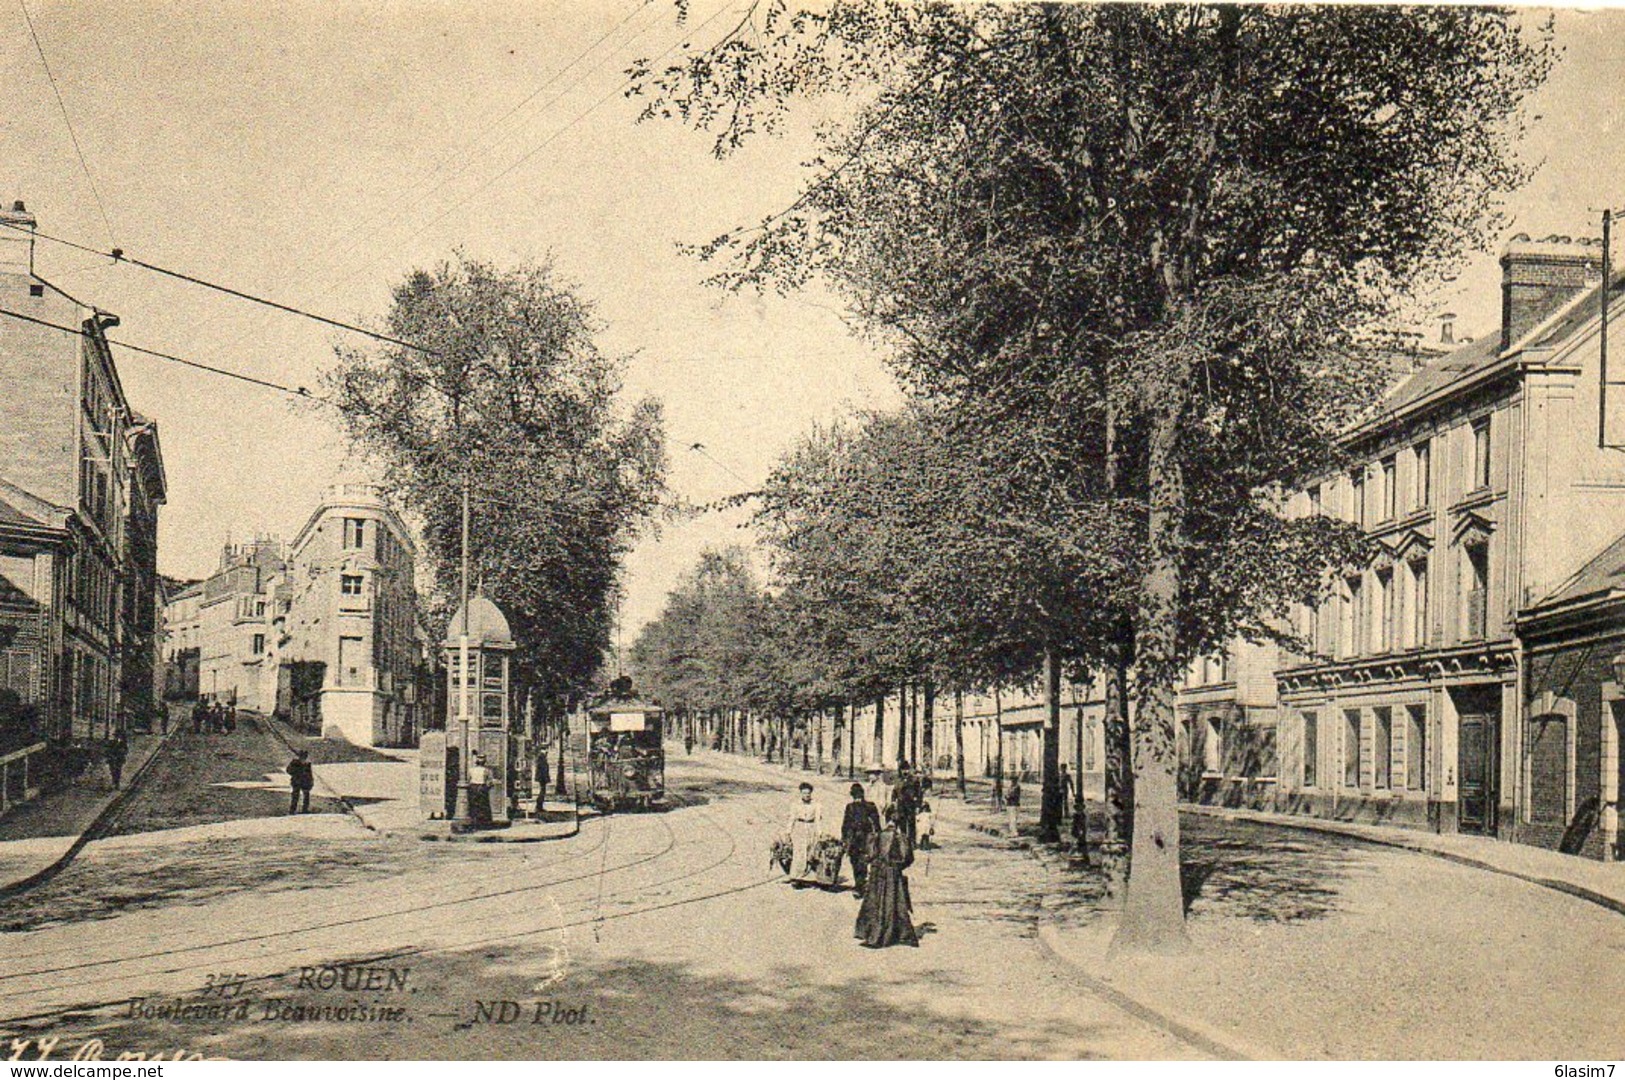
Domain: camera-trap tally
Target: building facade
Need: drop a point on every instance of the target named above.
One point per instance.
(236, 661)
(351, 642)
(72, 447)
(1483, 486)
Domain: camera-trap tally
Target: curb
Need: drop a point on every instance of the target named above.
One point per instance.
(97, 828)
(1221, 1046)
(1568, 888)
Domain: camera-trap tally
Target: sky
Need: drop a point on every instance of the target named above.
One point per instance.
(316, 153)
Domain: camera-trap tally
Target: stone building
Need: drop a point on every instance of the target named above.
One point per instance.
(235, 662)
(352, 650)
(1482, 481)
(1574, 699)
(71, 449)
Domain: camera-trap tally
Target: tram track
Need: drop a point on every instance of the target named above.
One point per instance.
(594, 918)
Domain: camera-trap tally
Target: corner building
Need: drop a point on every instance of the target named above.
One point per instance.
(351, 649)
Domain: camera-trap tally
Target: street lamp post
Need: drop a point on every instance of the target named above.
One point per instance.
(460, 812)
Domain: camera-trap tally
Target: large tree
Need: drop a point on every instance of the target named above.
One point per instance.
(1160, 227)
(504, 391)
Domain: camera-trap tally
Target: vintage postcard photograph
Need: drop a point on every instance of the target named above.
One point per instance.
(811, 530)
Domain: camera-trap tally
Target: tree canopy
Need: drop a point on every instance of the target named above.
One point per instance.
(507, 392)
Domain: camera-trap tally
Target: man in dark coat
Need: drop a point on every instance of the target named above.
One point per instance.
(858, 829)
(117, 750)
(301, 778)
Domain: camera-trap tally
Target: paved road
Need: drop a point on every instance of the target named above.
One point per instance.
(659, 935)
(666, 935)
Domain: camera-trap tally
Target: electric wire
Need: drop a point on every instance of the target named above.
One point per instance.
(66, 120)
(294, 391)
(118, 255)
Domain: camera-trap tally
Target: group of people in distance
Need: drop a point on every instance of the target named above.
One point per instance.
(879, 844)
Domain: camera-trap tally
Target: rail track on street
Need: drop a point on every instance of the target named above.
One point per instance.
(215, 962)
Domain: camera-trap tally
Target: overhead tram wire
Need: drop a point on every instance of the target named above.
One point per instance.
(118, 256)
(294, 391)
(545, 143)
(68, 122)
(388, 219)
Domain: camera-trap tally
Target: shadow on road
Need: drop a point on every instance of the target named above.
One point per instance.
(1257, 872)
(626, 1008)
(103, 885)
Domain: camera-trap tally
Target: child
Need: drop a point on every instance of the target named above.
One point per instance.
(925, 825)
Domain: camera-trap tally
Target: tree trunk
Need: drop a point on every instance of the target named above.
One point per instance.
(998, 756)
(902, 726)
(819, 735)
(1118, 769)
(880, 732)
(1153, 905)
(1049, 809)
(959, 739)
(928, 727)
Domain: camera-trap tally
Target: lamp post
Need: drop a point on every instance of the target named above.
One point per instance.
(460, 811)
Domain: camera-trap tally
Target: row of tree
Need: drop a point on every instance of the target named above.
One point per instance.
(1125, 258)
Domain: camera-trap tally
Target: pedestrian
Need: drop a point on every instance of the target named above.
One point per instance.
(804, 829)
(688, 742)
(1066, 794)
(542, 777)
(479, 790)
(858, 829)
(926, 824)
(875, 790)
(906, 797)
(884, 918)
(1012, 803)
(301, 778)
(198, 711)
(231, 718)
(116, 751)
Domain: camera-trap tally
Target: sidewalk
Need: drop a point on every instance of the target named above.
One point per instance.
(1598, 882)
(38, 835)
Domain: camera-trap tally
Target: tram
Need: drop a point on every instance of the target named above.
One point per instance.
(626, 756)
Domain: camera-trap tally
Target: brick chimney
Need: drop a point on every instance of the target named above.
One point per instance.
(16, 245)
(1539, 276)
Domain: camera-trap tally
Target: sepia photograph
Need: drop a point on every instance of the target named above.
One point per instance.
(811, 530)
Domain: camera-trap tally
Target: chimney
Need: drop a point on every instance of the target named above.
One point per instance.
(1447, 328)
(1539, 276)
(17, 240)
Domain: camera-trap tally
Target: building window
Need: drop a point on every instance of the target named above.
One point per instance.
(258, 646)
(355, 533)
(1477, 575)
(1481, 454)
(1351, 748)
(1357, 497)
(350, 660)
(259, 609)
(1381, 614)
(1311, 748)
(1382, 747)
(1314, 501)
(1390, 492)
(1418, 622)
(350, 584)
(1416, 748)
(1422, 477)
(1353, 609)
(1212, 746)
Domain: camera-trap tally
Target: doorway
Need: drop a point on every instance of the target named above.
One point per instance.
(1477, 784)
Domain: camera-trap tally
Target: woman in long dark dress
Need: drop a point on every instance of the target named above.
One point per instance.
(884, 917)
